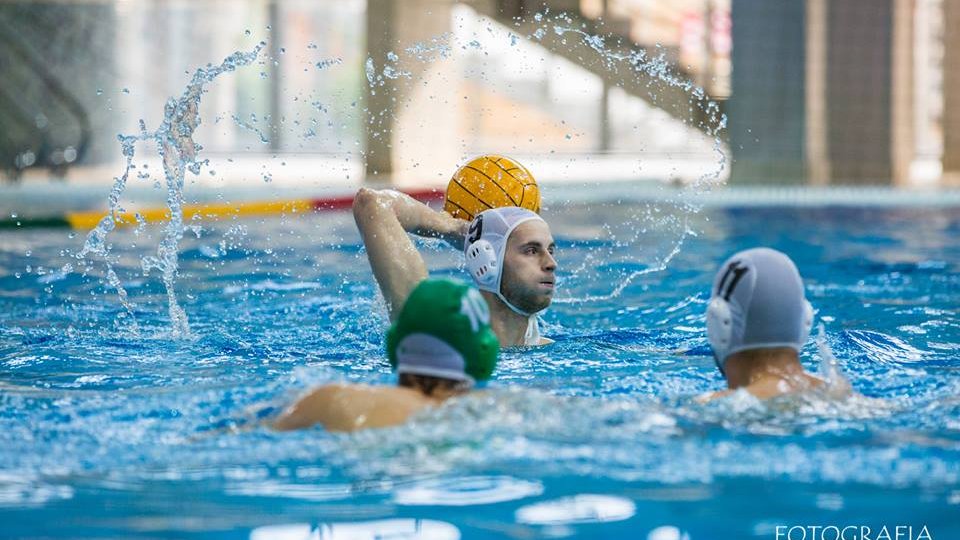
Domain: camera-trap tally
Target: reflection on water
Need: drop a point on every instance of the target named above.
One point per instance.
(580, 509)
(466, 491)
(667, 532)
(400, 529)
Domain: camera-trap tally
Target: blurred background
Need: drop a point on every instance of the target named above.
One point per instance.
(816, 92)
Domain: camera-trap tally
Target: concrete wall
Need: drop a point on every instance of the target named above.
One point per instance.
(411, 120)
(822, 92)
(858, 94)
(767, 104)
(54, 57)
(951, 93)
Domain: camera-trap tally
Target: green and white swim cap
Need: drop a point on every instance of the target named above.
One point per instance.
(444, 331)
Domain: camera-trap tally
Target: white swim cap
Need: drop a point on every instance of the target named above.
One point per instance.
(757, 301)
(486, 244)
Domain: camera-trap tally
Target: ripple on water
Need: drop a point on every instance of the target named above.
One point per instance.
(304, 491)
(399, 529)
(466, 491)
(578, 509)
(26, 491)
(610, 401)
(884, 348)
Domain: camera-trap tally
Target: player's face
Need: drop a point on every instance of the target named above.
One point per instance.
(529, 269)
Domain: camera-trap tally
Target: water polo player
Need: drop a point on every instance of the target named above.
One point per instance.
(440, 345)
(508, 250)
(757, 321)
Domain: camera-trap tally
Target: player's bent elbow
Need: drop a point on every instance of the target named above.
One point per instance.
(364, 199)
(369, 202)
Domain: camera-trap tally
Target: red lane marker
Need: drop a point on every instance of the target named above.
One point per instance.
(342, 203)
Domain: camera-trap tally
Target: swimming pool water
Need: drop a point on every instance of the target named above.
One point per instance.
(107, 433)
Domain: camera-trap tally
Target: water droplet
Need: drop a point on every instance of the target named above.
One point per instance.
(99, 91)
(246, 32)
(125, 90)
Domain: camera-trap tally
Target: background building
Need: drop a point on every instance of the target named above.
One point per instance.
(815, 91)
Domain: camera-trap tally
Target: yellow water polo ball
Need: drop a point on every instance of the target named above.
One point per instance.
(490, 182)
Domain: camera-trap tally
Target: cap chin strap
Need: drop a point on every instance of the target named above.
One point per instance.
(532, 335)
(515, 309)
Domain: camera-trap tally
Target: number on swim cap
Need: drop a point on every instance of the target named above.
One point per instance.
(476, 230)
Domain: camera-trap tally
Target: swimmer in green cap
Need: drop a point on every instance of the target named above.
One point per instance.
(509, 253)
(440, 345)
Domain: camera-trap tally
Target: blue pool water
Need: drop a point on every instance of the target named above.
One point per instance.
(108, 433)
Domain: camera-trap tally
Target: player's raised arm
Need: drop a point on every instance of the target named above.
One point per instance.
(384, 218)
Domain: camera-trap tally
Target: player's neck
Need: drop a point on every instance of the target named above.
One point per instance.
(509, 326)
(756, 366)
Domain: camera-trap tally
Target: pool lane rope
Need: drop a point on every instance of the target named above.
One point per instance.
(212, 212)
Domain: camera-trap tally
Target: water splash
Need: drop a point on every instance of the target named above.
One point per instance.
(625, 282)
(435, 49)
(658, 70)
(251, 128)
(178, 151)
(655, 75)
(323, 64)
(837, 384)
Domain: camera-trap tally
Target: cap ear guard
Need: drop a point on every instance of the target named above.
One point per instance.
(481, 259)
(719, 329)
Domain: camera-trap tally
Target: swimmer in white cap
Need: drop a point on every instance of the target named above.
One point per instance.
(757, 321)
(509, 253)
